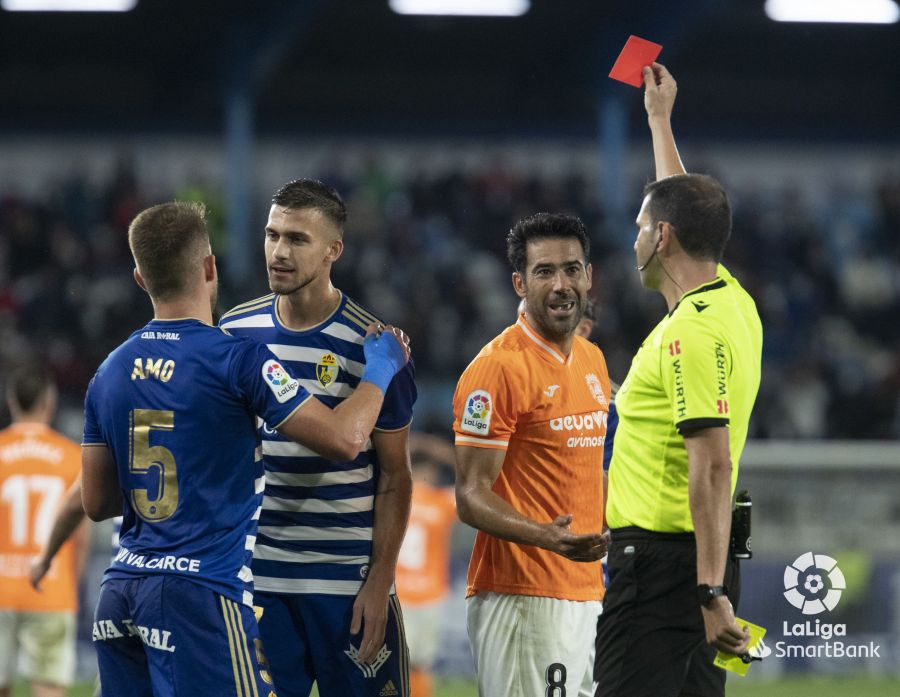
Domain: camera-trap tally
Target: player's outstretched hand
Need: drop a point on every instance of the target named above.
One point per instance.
(39, 569)
(722, 631)
(587, 547)
(660, 90)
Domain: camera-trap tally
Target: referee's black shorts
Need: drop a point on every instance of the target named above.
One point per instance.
(650, 638)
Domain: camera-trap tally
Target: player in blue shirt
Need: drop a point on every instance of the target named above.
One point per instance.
(170, 441)
(331, 527)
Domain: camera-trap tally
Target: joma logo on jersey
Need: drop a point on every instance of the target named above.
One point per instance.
(476, 417)
(580, 422)
(153, 368)
(327, 369)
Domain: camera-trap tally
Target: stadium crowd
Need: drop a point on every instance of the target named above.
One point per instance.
(427, 252)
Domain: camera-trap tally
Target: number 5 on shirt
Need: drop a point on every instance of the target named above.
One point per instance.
(144, 457)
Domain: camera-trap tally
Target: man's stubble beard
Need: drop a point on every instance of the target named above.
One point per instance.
(555, 331)
(293, 289)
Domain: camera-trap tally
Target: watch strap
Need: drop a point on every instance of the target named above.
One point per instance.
(706, 593)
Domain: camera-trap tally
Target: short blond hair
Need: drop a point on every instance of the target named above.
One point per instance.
(167, 242)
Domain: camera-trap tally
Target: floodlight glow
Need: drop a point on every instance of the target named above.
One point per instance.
(473, 8)
(68, 5)
(842, 11)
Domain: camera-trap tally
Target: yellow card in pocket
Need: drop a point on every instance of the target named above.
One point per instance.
(758, 648)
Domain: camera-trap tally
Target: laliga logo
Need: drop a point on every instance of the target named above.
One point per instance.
(477, 416)
(479, 406)
(805, 581)
(276, 374)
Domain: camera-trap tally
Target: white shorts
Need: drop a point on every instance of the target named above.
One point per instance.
(423, 624)
(47, 643)
(526, 645)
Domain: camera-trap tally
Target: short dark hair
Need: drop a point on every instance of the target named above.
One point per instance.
(168, 241)
(697, 206)
(311, 193)
(540, 226)
(27, 385)
(590, 311)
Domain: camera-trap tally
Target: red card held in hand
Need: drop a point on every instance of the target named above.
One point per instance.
(637, 53)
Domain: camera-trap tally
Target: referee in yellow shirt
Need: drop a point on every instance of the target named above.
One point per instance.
(683, 412)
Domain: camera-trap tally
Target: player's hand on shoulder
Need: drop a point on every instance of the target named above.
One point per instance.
(722, 631)
(660, 90)
(586, 547)
(387, 340)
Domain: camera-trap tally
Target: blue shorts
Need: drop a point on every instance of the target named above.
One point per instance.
(308, 639)
(161, 636)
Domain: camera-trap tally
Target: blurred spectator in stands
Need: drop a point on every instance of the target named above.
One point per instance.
(825, 275)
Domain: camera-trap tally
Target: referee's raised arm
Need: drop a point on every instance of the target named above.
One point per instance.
(660, 89)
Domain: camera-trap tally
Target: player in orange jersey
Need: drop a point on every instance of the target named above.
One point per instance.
(530, 421)
(423, 579)
(37, 466)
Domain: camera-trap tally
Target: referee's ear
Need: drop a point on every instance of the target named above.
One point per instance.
(666, 237)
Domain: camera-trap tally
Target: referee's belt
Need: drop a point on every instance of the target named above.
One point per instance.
(632, 533)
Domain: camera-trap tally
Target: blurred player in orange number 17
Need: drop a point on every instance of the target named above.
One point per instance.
(530, 415)
(170, 442)
(37, 465)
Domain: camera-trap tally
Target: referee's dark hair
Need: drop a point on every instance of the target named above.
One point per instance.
(540, 226)
(697, 206)
(311, 193)
(27, 385)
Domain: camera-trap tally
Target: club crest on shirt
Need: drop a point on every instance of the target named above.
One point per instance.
(476, 416)
(327, 369)
(281, 383)
(595, 387)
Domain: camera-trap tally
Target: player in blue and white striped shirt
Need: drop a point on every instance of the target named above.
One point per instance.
(330, 531)
(170, 443)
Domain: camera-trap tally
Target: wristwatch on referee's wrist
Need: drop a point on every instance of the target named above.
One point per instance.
(706, 593)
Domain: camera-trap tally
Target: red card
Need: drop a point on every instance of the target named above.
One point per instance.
(637, 54)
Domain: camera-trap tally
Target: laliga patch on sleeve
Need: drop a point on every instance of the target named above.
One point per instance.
(476, 416)
(637, 54)
(283, 386)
